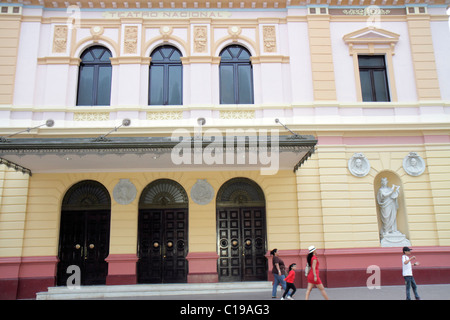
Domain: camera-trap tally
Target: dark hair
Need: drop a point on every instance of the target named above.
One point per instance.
(290, 267)
(309, 258)
(273, 252)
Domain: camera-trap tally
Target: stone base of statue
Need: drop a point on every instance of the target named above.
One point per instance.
(394, 239)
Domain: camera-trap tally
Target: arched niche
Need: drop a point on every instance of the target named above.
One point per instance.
(402, 217)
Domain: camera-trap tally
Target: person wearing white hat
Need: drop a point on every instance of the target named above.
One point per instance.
(313, 275)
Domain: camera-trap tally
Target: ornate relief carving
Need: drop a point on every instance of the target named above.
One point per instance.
(241, 114)
(91, 116)
(359, 165)
(164, 115)
(413, 164)
(165, 31)
(234, 32)
(200, 39)
(202, 192)
(269, 38)
(97, 31)
(124, 192)
(60, 39)
(130, 39)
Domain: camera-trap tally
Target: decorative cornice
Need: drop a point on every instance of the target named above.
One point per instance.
(214, 4)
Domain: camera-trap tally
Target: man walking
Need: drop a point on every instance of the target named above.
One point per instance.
(408, 274)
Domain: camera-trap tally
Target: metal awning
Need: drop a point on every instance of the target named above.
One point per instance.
(42, 155)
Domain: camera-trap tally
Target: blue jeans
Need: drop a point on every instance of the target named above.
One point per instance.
(277, 279)
(409, 281)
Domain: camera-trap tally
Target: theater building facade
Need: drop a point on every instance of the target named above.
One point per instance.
(181, 141)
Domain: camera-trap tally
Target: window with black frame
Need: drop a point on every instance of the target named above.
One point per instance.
(236, 76)
(373, 76)
(94, 78)
(166, 77)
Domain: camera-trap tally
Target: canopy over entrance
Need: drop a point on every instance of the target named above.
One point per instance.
(184, 152)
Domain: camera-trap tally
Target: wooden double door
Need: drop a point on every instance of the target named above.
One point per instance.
(162, 245)
(84, 242)
(241, 244)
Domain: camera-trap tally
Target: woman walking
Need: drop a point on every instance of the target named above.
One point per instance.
(313, 275)
(279, 272)
(290, 282)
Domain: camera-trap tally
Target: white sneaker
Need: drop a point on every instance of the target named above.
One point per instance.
(290, 298)
(282, 298)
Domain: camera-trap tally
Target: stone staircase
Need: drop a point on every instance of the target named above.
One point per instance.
(143, 290)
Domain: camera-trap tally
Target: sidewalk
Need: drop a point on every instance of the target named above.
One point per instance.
(426, 292)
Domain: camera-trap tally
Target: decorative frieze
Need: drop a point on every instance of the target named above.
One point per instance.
(239, 114)
(91, 116)
(164, 115)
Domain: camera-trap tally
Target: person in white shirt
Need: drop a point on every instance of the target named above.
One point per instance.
(408, 274)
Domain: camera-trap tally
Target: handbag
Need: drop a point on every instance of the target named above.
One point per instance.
(307, 269)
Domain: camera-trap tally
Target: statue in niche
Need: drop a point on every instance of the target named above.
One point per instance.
(387, 198)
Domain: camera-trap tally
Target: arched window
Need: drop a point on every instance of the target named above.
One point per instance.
(94, 79)
(166, 77)
(236, 76)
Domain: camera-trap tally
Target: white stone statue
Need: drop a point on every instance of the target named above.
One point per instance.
(387, 198)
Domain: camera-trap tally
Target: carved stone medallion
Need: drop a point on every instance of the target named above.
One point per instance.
(124, 192)
(359, 165)
(413, 164)
(202, 192)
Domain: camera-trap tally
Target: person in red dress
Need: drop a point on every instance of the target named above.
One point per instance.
(313, 275)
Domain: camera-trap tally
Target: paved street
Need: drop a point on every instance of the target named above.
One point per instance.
(427, 292)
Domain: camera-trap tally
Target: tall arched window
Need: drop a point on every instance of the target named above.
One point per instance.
(236, 76)
(166, 77)
(94, 79)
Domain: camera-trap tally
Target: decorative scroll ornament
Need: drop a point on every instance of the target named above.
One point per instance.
(202, 192)
(413, 164)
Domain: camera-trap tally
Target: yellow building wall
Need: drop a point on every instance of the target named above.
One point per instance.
(47, 191)
(439, 172)
(9, 44)
(339, 210)
(422, 52)
(13, 208)
(321, 57)
(320, 204)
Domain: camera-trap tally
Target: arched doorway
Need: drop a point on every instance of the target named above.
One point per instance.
(241, 231)
(84, 233)
(163, 233)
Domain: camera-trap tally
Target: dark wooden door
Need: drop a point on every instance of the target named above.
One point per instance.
(163, 245)
(84, 242)
(241, 244)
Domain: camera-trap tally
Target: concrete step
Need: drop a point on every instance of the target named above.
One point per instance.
(141, 290)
